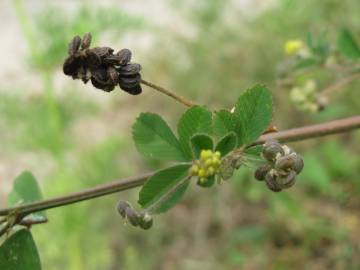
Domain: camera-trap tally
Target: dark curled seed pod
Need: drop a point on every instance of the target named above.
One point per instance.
(71, 65)
(298, 164)
(287, 180)
(129, 69)
(121, 208)
(113, 75)
(146, 221)
(135, 90)
(86, 41)
(271, 183)
(132, 216)
(112, 60)
(261, 172)
(131, 81)
(285, 163)
(93, 60)
(103, 52)
(124, 56)
(271, 149)
(74, 45)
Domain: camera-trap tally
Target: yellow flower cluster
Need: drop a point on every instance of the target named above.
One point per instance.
(208, 165)
(293, 46)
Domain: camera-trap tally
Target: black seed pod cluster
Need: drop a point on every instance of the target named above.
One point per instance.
(144, 220)
(283, 164)
(101, 66)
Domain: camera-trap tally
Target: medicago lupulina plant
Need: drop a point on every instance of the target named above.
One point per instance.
(208, 148)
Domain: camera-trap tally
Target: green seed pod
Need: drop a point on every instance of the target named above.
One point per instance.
(287, 180)
(146, 221)
(271, 183)
(298, 164)
(271, 149)
(285, 163)
(132, 216)
(261, 172)
(121, 208)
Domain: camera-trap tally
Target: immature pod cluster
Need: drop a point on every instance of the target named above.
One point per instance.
(143, 220)
(101, 66)
(283, 164)
(206, 166)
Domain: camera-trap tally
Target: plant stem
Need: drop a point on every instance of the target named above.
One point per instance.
(339, 84)
(295, 134)
(169, 93)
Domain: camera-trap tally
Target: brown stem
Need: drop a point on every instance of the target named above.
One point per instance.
(339, 84)
(295, 134)
(180, 99)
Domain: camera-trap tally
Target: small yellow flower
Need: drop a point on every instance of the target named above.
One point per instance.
(202, 173)
(293, 46)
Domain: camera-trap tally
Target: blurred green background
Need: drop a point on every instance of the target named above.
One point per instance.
(73, 136)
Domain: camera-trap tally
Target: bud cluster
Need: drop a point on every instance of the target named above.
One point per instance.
(206, 166)
(144, 220)
(105, 69)
(306, 97)
(283, 164)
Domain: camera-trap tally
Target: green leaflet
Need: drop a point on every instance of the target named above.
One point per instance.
(153, 138)
(26, 190)
(347, 45)
(195, 120)
(19, 252)
(201, 142)
(254, 112)
(165, 188)
(227, 144)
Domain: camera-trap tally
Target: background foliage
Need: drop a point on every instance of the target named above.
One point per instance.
(72, 136)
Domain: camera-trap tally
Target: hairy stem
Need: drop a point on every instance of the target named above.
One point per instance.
(295, 134)
(180, 99)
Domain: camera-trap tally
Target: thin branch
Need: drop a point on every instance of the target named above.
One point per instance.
(313, 131)
(295, 134)
(339, 84)
(180, 99)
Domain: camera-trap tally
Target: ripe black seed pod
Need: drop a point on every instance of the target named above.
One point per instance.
(121, 208)
(130, 81)
(298, 164)
(74, 45)
(285, 163)
(146, 221)
(124, 56)
(113, 75)
(129, 70)
(287, 180)
(261, 172)
(103, 52)
(271, 149)
(134, 90)
(71, 65)
(86, 41)
(270, 180)
(93, 60)
(132, 216)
